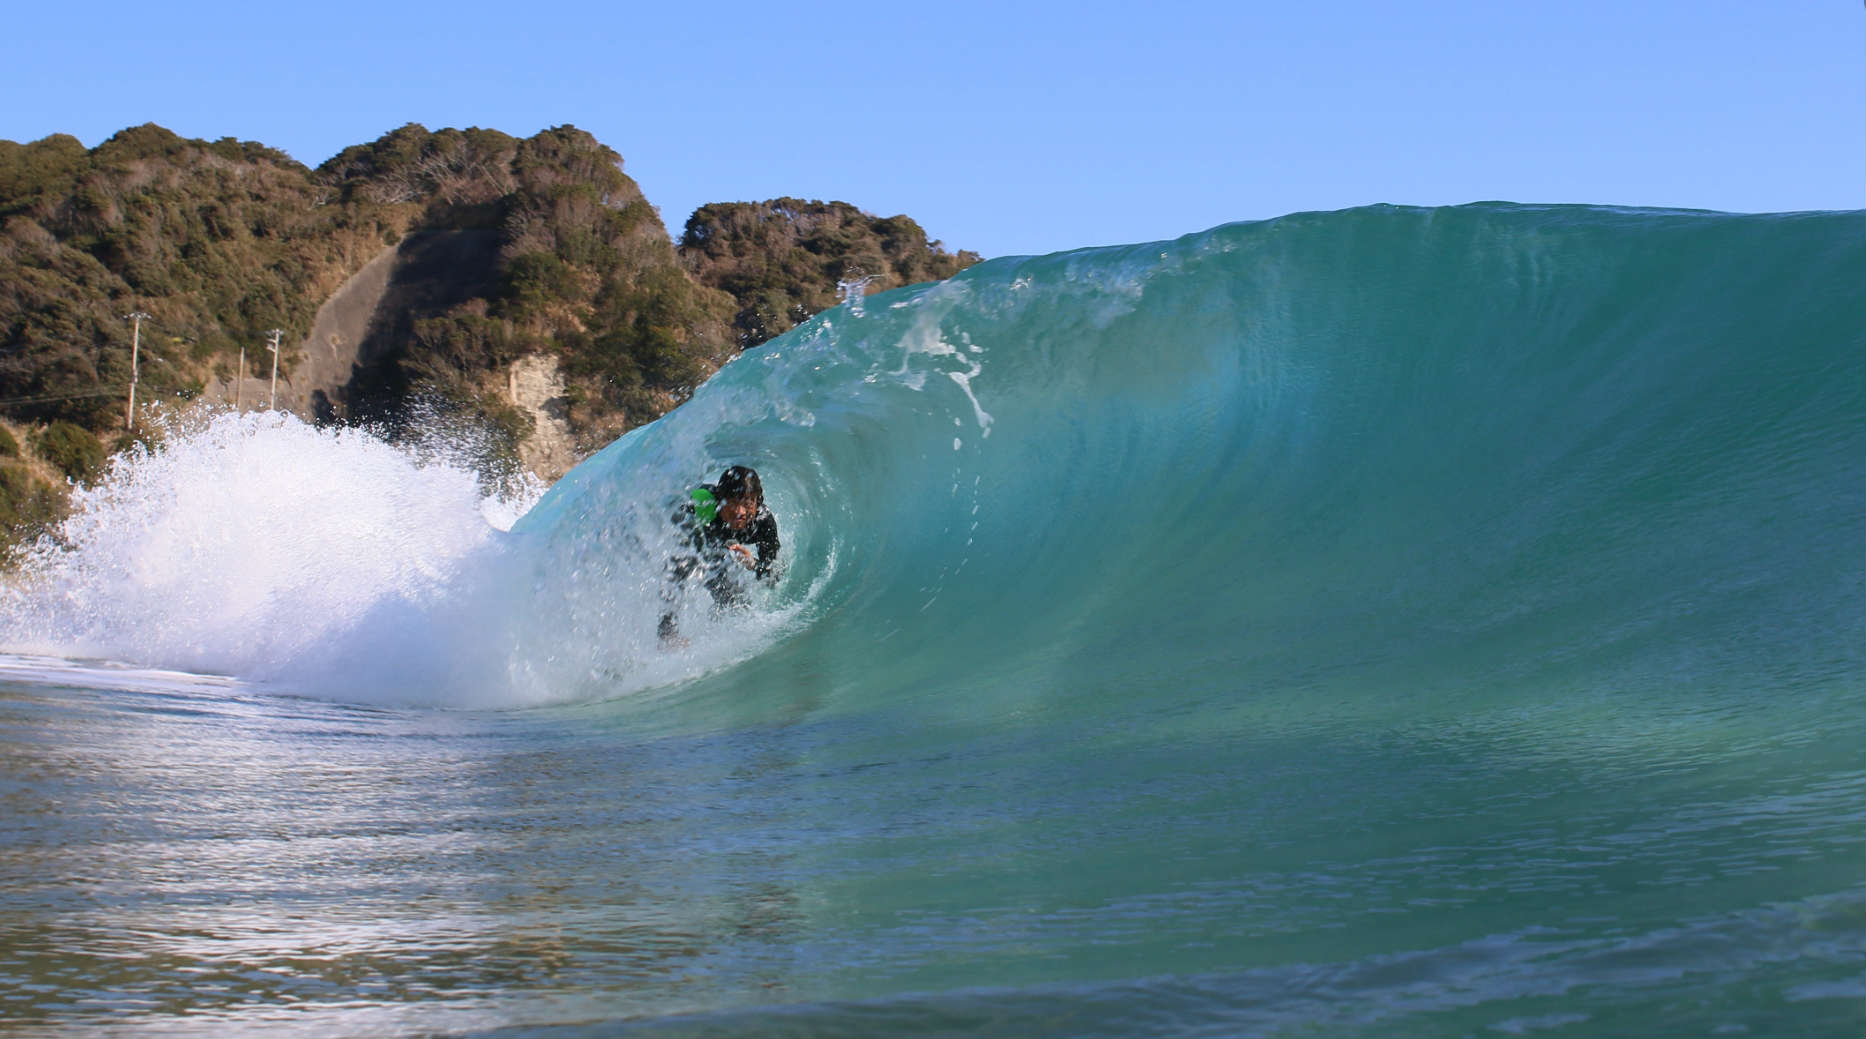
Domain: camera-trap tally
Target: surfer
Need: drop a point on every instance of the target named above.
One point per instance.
(727, 527)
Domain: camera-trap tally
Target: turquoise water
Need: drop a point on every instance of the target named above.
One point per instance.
(1389, 621)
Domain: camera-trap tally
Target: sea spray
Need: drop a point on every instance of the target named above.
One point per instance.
(259, 546)
(852, 290)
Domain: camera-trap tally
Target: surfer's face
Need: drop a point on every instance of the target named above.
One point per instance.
(737, 512)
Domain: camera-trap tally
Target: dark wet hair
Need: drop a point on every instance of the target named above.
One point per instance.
(741, 482)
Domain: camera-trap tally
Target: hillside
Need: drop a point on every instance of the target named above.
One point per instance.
(525, 282)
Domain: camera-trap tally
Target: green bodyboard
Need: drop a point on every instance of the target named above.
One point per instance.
(705, 506)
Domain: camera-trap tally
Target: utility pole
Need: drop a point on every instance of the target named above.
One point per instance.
(136, 318)
(239, 387)
(272, 344)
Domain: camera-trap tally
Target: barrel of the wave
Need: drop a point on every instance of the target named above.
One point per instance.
(1205, 465)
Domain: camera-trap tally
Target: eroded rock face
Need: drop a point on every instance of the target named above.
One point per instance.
(328, 355)
(536, 387)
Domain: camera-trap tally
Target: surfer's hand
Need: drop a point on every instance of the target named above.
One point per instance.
(744, 554)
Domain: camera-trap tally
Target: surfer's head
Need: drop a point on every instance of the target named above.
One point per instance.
(741, 495)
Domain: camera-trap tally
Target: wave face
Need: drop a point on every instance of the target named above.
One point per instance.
(1390, 462)
(1385, 621)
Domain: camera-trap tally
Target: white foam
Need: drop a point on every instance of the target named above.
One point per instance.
(258, 546)
(330, 563)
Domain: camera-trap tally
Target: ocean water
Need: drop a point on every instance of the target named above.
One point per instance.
(1392, 621)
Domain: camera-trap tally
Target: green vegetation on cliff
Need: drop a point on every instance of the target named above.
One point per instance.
(549, 248)
(221, 242)
(782, 260)
(217, 242)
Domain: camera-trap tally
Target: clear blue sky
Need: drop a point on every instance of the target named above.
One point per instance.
(1018, 128)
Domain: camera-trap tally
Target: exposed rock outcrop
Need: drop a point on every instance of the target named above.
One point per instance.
(535, 385)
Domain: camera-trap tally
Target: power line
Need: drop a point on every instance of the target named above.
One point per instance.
(49, 397)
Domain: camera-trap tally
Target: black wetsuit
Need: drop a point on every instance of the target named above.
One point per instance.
(708, 542)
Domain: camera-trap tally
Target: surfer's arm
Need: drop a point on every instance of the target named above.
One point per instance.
(766, 538)
(759, 564)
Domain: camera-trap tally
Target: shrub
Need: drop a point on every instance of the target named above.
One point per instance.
(72, 450)
(27, 507)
